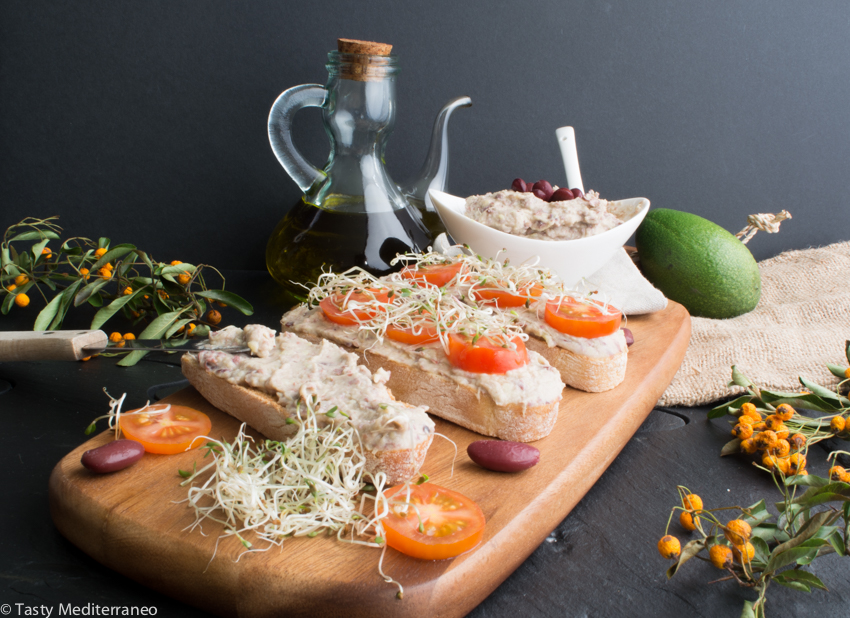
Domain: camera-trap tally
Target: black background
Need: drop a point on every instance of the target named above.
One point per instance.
(146, 121)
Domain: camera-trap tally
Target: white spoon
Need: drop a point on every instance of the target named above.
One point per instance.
(569, 153)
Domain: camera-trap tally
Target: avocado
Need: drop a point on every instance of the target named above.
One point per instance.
(697, 263)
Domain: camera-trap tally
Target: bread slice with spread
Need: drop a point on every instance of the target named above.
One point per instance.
(577, 333)
(267, 390)
(469, 366)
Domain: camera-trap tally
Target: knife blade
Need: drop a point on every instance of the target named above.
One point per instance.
(77, 344)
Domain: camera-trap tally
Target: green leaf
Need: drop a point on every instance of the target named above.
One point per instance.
(748, 612)
(800, 575)
(790, 583)
(797, 400)
(779, 559)
(35, 235)
(7, 303)
(102, 242)
(103, 315)
(48, 313)
(730, 406)
(761, 547)
(96, 300)
(118, 251)
(38, 247)
(731, 447)
(176, 326)
(228, 298)
(65, 302)
(739, 378)
(836, 370)
(810, 480)
(823, 393)
(88, 290)
(132, 358)
(178, 269)
(690, 550)
(847, 350)
(837, 541)
(5, 258)
(770, 533)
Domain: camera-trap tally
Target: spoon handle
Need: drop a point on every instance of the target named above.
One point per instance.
(567, 141)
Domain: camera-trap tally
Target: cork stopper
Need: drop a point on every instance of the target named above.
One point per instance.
(361, 69)
(368, 48)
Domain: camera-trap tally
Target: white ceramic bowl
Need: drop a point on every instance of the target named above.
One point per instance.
(571, 260)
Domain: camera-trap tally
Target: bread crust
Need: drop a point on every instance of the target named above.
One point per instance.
(586, 373)
(262, 412)
(459, 403)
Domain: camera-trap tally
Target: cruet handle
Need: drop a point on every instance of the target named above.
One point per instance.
(280, 132)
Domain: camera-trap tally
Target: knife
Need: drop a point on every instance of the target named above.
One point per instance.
(77, 344)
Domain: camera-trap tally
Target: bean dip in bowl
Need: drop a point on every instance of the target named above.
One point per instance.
(571, 259)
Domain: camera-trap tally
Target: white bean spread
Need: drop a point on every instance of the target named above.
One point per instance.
(536, 383)
(295, 369)
(597, 347)
(524, 214)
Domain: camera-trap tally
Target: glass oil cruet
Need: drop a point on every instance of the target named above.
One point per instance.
(352, 213)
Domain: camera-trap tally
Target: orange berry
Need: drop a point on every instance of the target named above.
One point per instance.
(783, 465)
(768, 460)
(783, 448)
(100, 252)
(749, 409)
(746, 419)
(749, 446)
(759, 426)
(692, 502)
(687, 521)
(765, 439)
(785, 412)
(221, 304)
(213, 317)
(115, 337)
(47, 252)
(738, 531)
(85, 358)
(796, 462)
(798, 441)
(84, 272)
(11, 287)
(21, 280)
(128, 290)
(742, 431)
(190, 328)
(836, 472)
(837, 424)
(773, 422)
(720, 556)
(847, 373)
(129, 336)
(744, 553)
(105, 273)
(782, 435)
(183, 279)
(22, 300)
(844, 477)
(669, 547)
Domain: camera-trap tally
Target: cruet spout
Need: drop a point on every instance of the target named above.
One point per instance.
(434, 172)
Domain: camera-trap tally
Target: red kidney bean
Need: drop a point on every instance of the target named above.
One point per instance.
(520, 185)
(542, 189)
(577, 193)
(630, 338)
(114, 456)
(562, 195)
(502, 455)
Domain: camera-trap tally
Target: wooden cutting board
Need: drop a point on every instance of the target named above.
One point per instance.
(133, 522)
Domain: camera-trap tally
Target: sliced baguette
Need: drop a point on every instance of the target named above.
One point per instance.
(262, 412)
(585, 373)
(461, 404)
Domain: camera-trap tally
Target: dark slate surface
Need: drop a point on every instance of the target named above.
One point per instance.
(600, 561)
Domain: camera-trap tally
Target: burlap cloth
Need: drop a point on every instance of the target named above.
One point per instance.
(800, 323)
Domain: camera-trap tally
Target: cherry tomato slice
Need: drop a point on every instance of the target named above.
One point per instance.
(503, 298)
(582, 319)
(413, 335)
(333, 309)
(435, 274)
(166, 433)
(451, 523)
(485, 355)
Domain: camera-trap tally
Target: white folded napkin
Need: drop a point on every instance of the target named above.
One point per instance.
(619, 282)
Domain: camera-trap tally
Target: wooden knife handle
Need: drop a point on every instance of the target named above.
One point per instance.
(48, 344)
